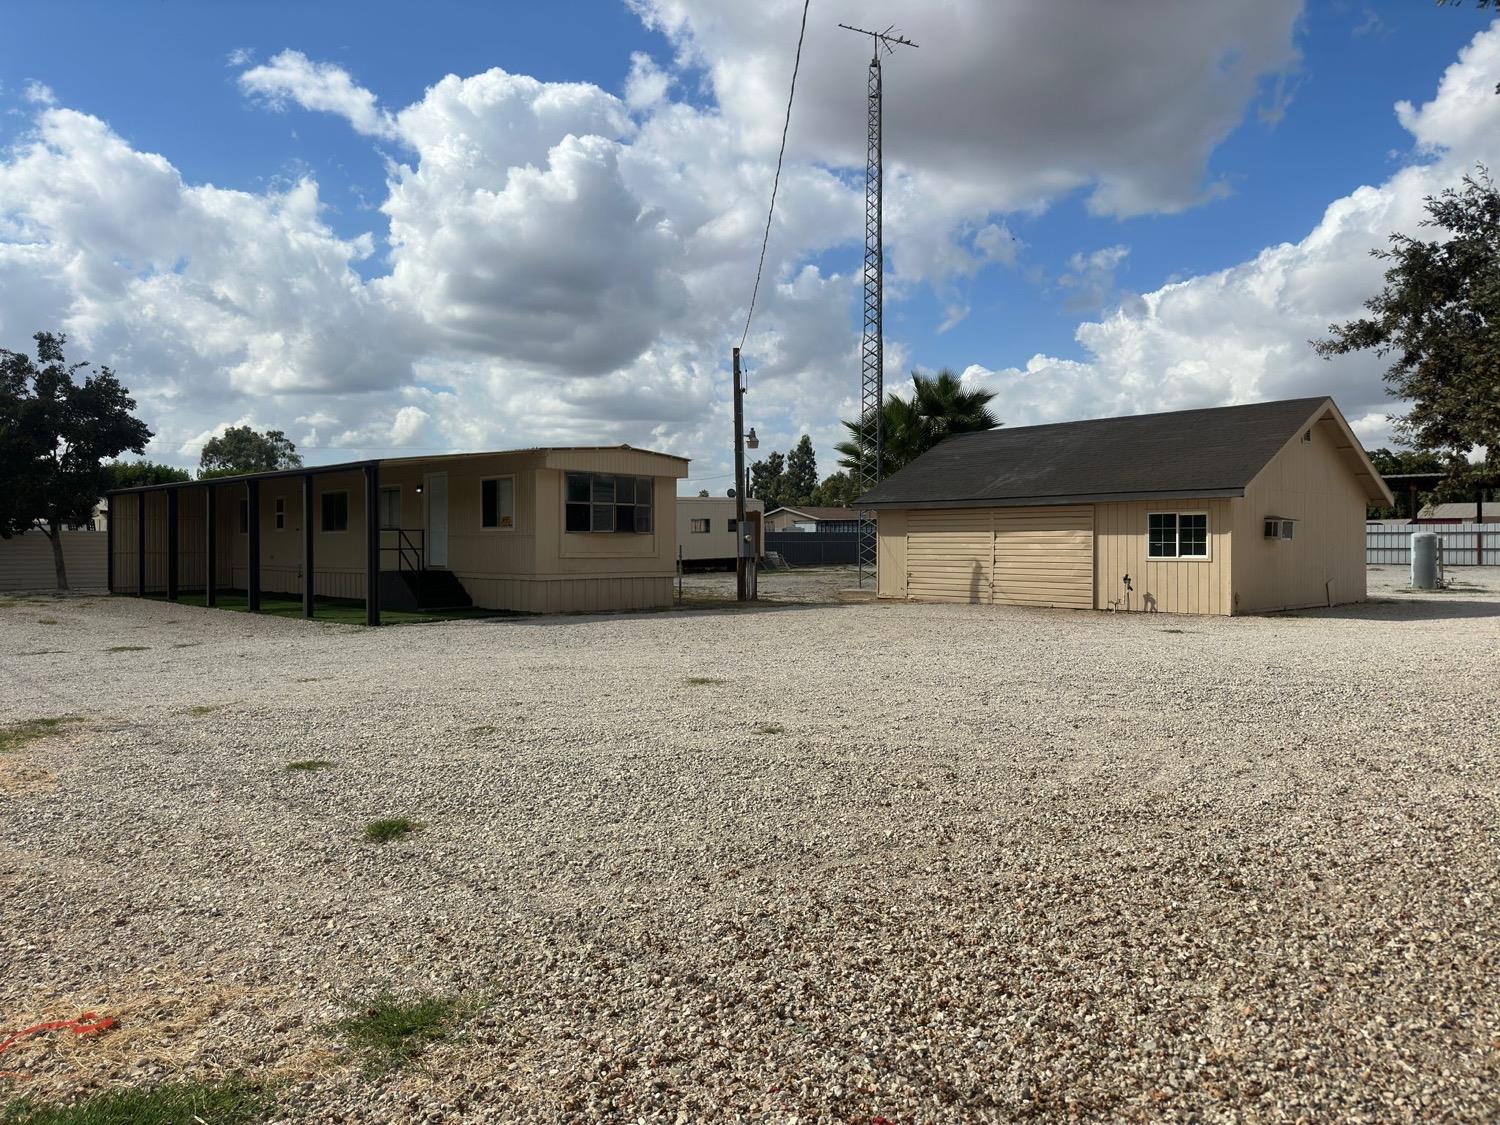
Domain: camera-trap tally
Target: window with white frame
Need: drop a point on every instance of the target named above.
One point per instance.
(1177, 535)
(600, 502)
(497, 502)
(698, 527)
(1278, 528)
(281, 513)
(390, 507)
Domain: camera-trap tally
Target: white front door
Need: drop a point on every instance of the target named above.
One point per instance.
(435, 487)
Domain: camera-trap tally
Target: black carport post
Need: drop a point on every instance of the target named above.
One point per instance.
(309, 584)
(140, 544)
(109, 542)
(211, 533)
(252, 525)
(372, 545)
(172, 543)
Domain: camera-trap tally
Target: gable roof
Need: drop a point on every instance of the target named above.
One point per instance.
(819, 513)
(1184, 453)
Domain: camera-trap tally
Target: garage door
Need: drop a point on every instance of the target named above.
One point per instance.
(949, 552)
(1044, 556)
(1008, 556)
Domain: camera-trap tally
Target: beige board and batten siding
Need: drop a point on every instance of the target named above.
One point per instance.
(1310, 482)
(1032, 556)
(26, 561)
(1175, 585)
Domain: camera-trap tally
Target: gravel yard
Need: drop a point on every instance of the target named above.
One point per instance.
(847, 862)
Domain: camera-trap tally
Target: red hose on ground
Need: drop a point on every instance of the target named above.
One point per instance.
(86, 1024)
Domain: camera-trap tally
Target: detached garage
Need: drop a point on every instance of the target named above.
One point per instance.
(1238, 509)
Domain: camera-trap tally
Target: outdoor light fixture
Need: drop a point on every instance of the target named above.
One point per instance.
(419, 490)
(751, 441)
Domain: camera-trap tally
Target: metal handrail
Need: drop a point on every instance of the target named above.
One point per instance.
(404, 544)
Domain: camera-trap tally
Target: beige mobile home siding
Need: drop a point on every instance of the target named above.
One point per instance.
(1039, 556)
(1167, 585)
(26, 561)
(1312, 483)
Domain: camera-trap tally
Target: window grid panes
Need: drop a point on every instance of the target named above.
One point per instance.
(600, 502)
(390, 508)
(1192, 536)
(1161, 535)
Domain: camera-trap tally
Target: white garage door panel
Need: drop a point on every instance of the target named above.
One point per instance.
(1009, 556)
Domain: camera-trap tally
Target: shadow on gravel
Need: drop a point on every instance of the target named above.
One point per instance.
(1439, 607)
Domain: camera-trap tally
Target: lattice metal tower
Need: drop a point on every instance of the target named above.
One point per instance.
(872, 344)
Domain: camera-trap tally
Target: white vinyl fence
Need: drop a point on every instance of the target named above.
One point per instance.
(1464, 544)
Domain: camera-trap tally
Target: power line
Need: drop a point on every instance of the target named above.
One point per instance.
(776, 183)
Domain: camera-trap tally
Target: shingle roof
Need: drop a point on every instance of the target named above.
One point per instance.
(1213, 452)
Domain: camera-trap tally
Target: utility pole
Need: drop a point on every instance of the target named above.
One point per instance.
(741, 583)
(872, 343)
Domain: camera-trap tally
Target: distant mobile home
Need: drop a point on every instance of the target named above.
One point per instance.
(707, 529)
(537, 530)
(1238, 509)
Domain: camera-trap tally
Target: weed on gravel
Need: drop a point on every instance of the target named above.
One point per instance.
(389, 1033)
(701, 681)
(17, 735)
(46, 621)
(180, 1103)
(310, 764)
(126, 648)
(769, 728)
(203, 709)
(393, 828)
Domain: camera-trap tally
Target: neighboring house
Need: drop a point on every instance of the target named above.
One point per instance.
(707, 531)
(537, 530)
(98, 519)
(812, 519)
(1239, 509)
(1466, 511)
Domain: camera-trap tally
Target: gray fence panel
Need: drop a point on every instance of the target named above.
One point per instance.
(815, 548)
(1464, 544)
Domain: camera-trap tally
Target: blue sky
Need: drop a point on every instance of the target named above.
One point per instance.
(1312, 123)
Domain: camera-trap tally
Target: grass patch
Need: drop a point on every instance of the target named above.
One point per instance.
(484, 729)
(46, 621)
(769, 728)
(9, 603)
(178, 1103)
(203, 709)
(126, 648)
(392, 828)
(310, 764)
(388, 1032)
(700, 681)
(17, 735)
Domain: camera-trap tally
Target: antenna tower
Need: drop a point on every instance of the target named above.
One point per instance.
(872, 344)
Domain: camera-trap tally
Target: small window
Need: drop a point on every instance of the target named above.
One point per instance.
(281, 513)
(698, 527)
(244, 517)
(497, 502)
(390, 508)
(335, 511)
(1306, 437)
(1177, 535)
(734, 525)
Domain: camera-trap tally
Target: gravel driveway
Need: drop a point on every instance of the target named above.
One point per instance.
(892, 862)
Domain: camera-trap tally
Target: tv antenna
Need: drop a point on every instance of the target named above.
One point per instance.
(872, 343)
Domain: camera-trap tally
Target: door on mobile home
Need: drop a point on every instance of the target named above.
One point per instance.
(436, 490)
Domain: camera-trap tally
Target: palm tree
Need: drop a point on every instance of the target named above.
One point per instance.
(940, 406)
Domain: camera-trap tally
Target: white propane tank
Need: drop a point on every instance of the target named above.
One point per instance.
(1425, 574)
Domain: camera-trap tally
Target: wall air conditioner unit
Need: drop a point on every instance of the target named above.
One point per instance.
(1278, 528)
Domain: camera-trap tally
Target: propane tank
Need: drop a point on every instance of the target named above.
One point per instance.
(1425, 571)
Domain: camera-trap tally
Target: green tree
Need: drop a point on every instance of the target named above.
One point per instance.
(54, 432)
(801, 473)
(839, 490)
(940, 406)
(1438, 319)
(134, 474)
(240, 449)
(768, 480)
